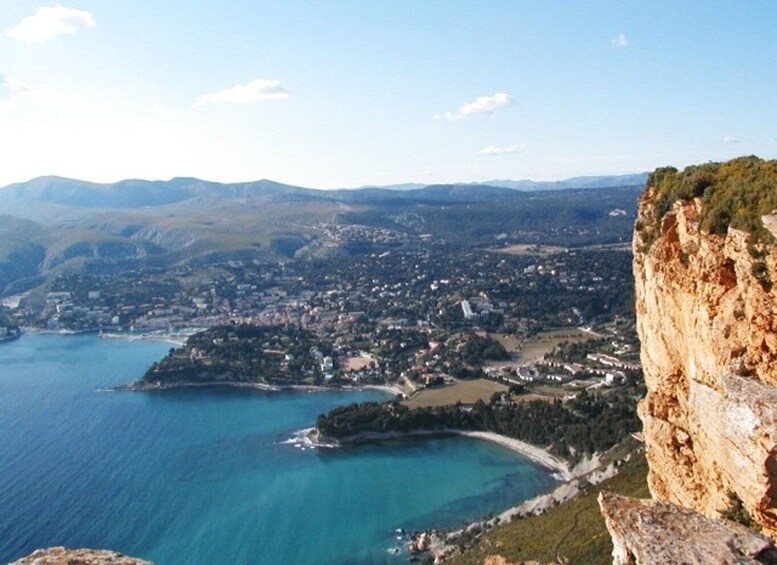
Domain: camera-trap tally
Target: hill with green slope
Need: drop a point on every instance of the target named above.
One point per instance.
(59, 225)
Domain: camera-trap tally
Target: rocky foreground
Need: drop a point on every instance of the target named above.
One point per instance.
(65, 556)
(661, 524)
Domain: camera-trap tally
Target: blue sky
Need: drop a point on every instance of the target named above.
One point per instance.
(340, 94)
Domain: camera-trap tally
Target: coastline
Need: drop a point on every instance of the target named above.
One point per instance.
(390, 389)
(142, 387)
(163, 337)
(137, 387)
(535, 454)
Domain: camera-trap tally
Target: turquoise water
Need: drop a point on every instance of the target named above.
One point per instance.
(204, 476)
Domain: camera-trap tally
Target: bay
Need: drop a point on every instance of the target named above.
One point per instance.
(207, 475)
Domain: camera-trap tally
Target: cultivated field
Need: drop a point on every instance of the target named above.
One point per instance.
(528, 249)
(466, 392)
(536, 347)
(510, 342)
(357, 363)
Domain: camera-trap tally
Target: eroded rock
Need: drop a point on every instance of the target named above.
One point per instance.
(65, 556)
(707, 319)
(647, 532)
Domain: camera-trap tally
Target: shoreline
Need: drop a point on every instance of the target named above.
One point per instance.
(535, 454)
(163, 337)
(136, 387)
(390, 389)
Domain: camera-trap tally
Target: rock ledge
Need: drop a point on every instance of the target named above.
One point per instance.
(65, 556)
(648, 532)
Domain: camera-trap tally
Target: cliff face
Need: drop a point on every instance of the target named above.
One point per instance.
(707, 319)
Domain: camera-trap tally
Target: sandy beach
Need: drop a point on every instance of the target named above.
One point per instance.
(536, 454)
(532, 452)
(391, 389)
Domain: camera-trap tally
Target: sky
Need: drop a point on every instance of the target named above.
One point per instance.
(332, 94)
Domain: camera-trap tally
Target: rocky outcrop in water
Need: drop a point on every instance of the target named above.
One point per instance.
(65, 556)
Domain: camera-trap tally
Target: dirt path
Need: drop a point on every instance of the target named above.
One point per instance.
(560, 560)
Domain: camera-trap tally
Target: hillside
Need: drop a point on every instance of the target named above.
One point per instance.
(54, 225)
(574, 531)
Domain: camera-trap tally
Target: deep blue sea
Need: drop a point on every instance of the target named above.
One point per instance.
(204, 476)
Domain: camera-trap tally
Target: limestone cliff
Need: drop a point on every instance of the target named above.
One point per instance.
(707, 319)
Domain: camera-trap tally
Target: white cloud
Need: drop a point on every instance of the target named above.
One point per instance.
(49, 22)
(259, 89)
(166, 112)
(502, 150)
(729, 139)
(10, 88)
(481, 106)
(620, 41)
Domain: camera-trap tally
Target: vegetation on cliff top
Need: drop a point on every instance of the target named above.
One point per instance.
(734, 194)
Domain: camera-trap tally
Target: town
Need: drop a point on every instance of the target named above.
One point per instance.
(462, 322)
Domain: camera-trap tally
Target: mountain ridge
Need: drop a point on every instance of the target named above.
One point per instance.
(128, 193)
(53, 224)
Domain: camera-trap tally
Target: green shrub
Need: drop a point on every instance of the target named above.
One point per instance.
(736, 512)
(761, 273)
(734, 194)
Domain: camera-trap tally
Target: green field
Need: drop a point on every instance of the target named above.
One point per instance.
(466, 392)
(534, 348)
(528, 249)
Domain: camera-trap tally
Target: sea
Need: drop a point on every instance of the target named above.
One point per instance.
(219, 475)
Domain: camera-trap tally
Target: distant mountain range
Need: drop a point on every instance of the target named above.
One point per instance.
(46, 198)
(531, 185)
(136, 193)
(51, 225)
(574, 182)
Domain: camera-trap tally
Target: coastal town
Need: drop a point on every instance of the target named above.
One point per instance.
(549, 320)
(529, 346)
